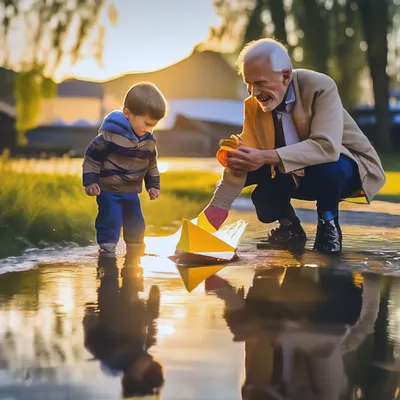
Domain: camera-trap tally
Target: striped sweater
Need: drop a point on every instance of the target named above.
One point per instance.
(119, 160)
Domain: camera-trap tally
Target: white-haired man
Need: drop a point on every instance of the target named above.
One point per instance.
(297, 142)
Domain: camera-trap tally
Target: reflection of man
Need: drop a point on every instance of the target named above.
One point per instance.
(122, 331)
(297, 323)
(297, 142)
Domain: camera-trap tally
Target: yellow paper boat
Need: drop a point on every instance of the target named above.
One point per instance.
(194, 276)
(197, 245)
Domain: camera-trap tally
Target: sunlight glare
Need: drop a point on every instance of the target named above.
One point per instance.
(163, 167)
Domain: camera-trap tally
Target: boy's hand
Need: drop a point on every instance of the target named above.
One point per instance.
(93, 189)
(154, 193)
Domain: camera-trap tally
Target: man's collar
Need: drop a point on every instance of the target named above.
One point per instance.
(288, 101)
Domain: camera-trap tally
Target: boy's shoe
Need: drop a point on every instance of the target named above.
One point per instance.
(107, 248)
(328, 239)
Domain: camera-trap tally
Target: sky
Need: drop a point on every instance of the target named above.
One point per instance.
(149, 35)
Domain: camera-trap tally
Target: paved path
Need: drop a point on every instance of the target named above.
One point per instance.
(379, 213)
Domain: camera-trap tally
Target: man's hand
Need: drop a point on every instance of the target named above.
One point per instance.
(249, 159)
(154, 193)
(93, 189)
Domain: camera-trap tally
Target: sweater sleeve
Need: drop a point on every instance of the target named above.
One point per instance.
(95, 155)
(152, 177)
(230, 186)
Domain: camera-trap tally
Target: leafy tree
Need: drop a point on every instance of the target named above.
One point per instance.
(328, 36)
(376, 21)
(49, 31)
(347, 60)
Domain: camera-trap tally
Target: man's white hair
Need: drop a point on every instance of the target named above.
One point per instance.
(268, 48)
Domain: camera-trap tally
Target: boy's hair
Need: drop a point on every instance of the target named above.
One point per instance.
(145, 98)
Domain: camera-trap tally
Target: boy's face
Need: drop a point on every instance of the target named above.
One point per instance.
(141, 124)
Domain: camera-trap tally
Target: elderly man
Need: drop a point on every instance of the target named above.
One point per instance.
(297, 142)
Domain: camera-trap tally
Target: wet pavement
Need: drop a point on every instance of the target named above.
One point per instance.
(275, 324)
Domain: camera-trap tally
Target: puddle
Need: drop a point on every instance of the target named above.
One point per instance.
(273, 325)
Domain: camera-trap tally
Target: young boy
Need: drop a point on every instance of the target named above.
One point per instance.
(118, 160)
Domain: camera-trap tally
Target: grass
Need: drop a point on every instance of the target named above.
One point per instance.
(38, 209)
(391, 162)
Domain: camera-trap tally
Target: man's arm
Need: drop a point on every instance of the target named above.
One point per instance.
(95, 155)
(323, 145)
(231, 183)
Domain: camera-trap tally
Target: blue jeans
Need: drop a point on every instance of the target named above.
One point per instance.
(327, 183)
(116, 211)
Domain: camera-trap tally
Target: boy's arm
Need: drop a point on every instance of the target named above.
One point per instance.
(95, 155)
(152, 177)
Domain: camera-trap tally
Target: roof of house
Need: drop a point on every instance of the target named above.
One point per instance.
(79, 88)
(204, 74)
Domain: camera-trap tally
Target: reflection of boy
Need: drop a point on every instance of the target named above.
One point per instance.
(117, 162)
(124, 328)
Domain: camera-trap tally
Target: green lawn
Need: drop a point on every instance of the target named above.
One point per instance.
(38, 209)
(391, 162)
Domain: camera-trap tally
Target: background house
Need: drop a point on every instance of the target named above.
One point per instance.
(205, 103)
(8, 132)
(75, 101)
(194, 127)
(203, 75)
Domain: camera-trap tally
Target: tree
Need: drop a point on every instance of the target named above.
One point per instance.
(255, 26)
(227, 37)
(278, 16)
(327, 36)
(347, 60)
(376, 23)
(51, 30)
(313, 20)
(243, 21)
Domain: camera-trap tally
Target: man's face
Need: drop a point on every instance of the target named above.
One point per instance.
(267, 86)
(141, 124)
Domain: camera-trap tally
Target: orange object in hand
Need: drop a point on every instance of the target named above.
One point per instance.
(226, 145)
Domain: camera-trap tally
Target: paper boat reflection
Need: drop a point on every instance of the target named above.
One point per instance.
(192, 277)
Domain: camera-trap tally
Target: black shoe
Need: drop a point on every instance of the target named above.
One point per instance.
(328, 239)
(287, 235)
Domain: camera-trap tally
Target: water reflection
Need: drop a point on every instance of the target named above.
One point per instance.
(273, 329)
(122, 328)
(309, 334)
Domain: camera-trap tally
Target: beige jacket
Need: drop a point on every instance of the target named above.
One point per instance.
(326, 130)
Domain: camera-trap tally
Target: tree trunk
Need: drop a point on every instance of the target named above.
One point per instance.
(313, 19)
(375, 23)
(278, 14)
(255, 26)
(347, 60)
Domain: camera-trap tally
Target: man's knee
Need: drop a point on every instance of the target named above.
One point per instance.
(330, 174)
(267, 209)
(259, 176)
(266, 216)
